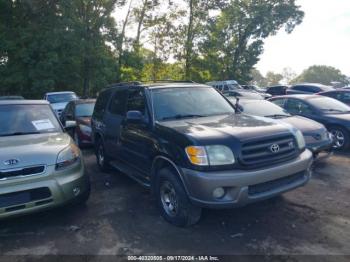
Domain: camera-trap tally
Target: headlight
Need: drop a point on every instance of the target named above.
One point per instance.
(300, 139)
(85, 129)
(216, 155)
(68, 157)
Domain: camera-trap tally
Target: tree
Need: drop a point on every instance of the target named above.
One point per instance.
(288, 75)
(257, 78)
(273, 78)
(322, 74)
(234, 40)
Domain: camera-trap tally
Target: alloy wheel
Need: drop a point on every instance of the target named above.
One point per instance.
(169, 198)
(339, 138)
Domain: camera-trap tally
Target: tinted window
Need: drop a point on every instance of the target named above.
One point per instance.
(118, 102)
(279, 102)
(102, 100)
(344, 97)
(301, 88)
(22, 119)
(136, 101)
(171, 103)
(295, 106)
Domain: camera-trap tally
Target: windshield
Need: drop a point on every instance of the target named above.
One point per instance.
(174, 103)
(246, 95)
(263, 108)
(61, 98)
(84, 109)
(27, 119)
(329, 105)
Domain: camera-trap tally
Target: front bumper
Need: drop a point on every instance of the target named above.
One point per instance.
(51, 189)
(246, 186)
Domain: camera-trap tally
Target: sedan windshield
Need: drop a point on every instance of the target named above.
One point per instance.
(263, 108)
(329, 105)
(177, 103)
(27, 119)
(61, 98)
(84, 110)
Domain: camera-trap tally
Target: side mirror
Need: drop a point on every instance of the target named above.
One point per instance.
(70, 125)
(134, 117)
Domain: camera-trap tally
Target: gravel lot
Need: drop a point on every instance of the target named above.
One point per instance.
(121, 218)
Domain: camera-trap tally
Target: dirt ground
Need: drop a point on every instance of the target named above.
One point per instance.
(121, 218)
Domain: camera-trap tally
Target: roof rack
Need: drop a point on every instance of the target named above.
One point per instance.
(171, 81)
(133, 83)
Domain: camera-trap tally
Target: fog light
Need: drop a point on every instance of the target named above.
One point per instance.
(76, 191)
(219, 193)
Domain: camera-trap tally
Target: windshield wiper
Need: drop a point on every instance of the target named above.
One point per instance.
(181, 116)
(20, 133)
(277, 115)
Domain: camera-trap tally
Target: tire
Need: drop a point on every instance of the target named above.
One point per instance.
(173, 202)
(341, 136)
(83, 198)
(101, 158)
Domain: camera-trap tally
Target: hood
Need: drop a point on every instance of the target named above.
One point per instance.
(217, 128)
(86, 121)
(345, 117)
(59, 106)
(31, 150)
(305, 125)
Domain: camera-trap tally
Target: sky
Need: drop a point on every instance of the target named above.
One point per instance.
(323, 38)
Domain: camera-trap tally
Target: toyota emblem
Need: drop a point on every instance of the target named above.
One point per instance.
(275, 148)
(11, 162)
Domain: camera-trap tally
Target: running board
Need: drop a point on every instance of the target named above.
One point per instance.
(130, 172)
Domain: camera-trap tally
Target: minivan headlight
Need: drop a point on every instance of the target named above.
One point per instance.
(300, 139)
(67, 157)
(214, 155)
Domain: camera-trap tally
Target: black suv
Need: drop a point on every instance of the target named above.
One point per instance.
(186, 143)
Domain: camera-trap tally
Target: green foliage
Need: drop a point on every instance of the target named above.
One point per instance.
(321, 74)
(273, 78)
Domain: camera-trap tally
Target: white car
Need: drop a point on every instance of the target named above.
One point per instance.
(59, 100)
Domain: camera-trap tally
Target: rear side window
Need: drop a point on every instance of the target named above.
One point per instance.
(279, 102)
(136, 101)
(301, 88)
(102, 101)
(118, 102)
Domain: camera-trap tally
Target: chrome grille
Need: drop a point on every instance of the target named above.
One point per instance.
(21, 172)
(268, 151)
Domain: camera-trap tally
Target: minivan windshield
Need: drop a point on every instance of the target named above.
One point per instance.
(27, 119)
(61, 98)
(189, 102)
(263, 108)
(329, 105)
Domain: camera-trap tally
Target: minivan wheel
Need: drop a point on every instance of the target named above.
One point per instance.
(173, 202)
(102, 159)
(341, 138)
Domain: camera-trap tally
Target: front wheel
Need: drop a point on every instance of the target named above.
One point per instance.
(102, 159)
(341, 138)
(173, 202)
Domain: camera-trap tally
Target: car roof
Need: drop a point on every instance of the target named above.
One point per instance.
(24, 102)
(84, 101)
(57, 93)
(157, 85)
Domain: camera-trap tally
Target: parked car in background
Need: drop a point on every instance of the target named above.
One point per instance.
(185, 142)
(40, 166)
(333, 114)
(242, 94)
(11, 98)
(257, 89)
(78, 114)
(308, 88)
(343, 95)
(59, 100)
(277, 90)
(316, 136)
(225, 86)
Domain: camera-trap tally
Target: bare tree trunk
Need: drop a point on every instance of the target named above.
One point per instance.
(189, 44)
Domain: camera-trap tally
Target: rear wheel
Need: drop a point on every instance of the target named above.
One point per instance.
(341, 137)
(173, 202)
(102, 159)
